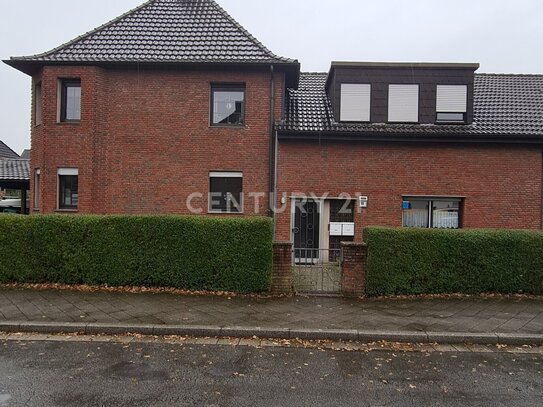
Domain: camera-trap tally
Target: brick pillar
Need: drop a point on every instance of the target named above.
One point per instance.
(282, 268)
(353, 267)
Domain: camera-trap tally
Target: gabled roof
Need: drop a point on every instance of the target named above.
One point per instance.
(6, 152)
(14, 169)
(26, 154)
(164, 31)
(504, 106)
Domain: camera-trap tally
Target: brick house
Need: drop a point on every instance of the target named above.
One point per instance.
(174, 108)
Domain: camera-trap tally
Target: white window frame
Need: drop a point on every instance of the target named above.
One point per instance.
(66, 172)
(451, 100)
(224, 174)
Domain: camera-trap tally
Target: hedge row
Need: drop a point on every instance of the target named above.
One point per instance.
(194, 253)
(425, 261)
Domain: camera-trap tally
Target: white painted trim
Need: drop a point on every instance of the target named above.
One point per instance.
(218, 174)
(68, 171)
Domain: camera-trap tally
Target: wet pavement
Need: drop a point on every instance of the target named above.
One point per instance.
(475, 315)
(66, 373)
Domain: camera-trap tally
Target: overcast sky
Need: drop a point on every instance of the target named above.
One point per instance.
(503, 36)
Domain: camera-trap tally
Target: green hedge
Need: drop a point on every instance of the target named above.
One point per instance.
(194, 253)
(425, 261)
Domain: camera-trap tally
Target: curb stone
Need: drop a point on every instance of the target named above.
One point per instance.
(444, 338)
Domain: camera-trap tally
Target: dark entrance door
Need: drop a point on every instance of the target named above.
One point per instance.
(306, 231)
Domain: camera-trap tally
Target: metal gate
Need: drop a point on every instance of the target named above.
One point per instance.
(317, 271)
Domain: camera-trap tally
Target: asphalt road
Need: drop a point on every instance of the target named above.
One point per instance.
(57, 373)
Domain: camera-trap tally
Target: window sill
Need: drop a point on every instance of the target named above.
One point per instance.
(66, 210)
(224, 213)
(75, 123)
(227, 126)
(441, 122)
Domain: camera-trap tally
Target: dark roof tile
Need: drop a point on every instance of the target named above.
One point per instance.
(14, 169)
(505, 105)
(182, 31)
(6, 152)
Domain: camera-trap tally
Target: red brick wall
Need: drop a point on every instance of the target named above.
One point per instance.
(501, 183)
(144, 142)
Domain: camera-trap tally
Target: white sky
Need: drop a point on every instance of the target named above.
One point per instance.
(503, 36)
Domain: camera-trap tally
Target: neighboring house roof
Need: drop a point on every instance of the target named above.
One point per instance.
(504, 105)
(26, 154)
(14, 169)
(175, 31)
(6, 152)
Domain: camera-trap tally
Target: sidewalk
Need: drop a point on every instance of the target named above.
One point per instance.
(477, 320)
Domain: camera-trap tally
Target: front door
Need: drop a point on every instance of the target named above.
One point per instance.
(306, 231)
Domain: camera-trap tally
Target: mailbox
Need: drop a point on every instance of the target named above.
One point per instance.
(341, 229)
(336, 229)
(348, 229)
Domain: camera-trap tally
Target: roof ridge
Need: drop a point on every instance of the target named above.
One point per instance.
(87, 34)
(247, 33)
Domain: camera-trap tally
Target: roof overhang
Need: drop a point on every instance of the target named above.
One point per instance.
(398, 65)
(409, 138)
(291, 69)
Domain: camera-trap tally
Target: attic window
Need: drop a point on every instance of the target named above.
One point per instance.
(227, 105)
(355, 102)
(452, 103)
(403, 103)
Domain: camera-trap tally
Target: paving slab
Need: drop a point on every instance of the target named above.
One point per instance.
(475, 320)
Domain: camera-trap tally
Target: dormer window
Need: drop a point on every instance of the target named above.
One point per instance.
(403, 103)
(452, 103)
(355, 102)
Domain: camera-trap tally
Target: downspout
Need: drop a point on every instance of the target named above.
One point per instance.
(271, 178)
(541, 190)
(275, 174)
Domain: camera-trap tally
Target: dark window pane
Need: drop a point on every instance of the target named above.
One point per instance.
(37, 105)
(71, 100)
(228, 106)
(416, 214)
(451, 117)
(445, 214)
(36, 189)
(68, 191)
(225, 194)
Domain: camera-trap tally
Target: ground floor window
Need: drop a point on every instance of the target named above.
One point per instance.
(68, 196)
(37, 188)
(436, 213)
(225, 192)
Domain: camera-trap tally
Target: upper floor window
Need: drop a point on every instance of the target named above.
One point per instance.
(70, 100)
(436, 213)
(403, 103)
(225, 192)
(68, 195)
(37, 104)
(452, 103)
(227, 105)
(355, 102)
